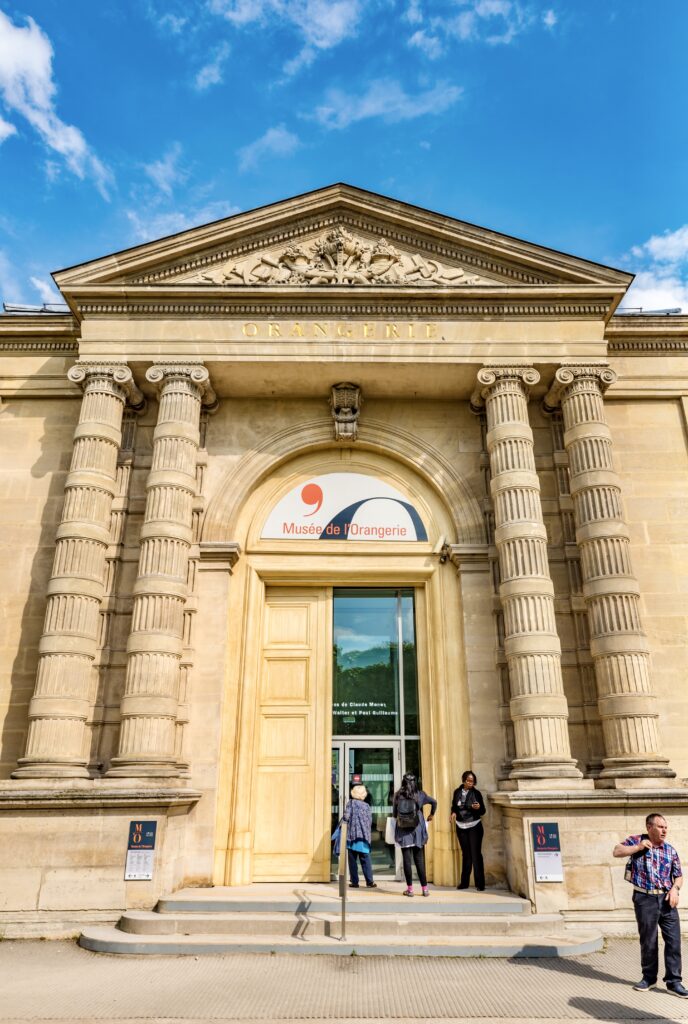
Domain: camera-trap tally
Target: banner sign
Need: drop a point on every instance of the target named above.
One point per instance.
(344, 506)
(140, 851)
(547, 852)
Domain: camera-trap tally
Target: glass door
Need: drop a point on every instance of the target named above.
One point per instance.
(376, 765)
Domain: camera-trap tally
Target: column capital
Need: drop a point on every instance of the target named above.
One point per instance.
(196, 373)
(601, 374)
(489, 376)
(119, 376)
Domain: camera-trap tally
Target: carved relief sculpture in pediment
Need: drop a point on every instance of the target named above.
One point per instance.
(339, 258)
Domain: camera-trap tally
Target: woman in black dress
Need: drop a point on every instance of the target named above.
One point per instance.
(467, 809)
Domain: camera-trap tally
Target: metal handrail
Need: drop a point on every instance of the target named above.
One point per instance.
(341, 874)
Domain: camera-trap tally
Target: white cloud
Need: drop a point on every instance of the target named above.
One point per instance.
(488, 21)
(6, 129)
(240, 12)
(549, 18)
(152, 224)
(654, 290)
(46, 289)
(28, 89)
(671, 247)
(413, 13)
(662, 281)
(429, 45)
(165, 173)
(384, 98)
(321, 24)
(10, 288)
(211, 73)
(277, 141)
(173, 23)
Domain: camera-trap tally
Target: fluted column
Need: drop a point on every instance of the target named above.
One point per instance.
(533, 651)
(57, 740)
(618, 643)
(154, 650)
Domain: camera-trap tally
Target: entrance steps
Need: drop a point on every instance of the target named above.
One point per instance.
(293, 918)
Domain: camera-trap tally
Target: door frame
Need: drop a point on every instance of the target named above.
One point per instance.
(344, 745)
(444, 733)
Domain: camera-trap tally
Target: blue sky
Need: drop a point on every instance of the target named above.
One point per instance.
(560, 122)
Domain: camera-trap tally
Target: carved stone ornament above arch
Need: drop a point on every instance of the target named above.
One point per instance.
(222, 515)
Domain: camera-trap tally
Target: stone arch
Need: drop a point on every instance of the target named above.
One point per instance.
(221, 517)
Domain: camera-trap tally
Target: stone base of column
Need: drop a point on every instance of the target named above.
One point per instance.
(548, 784)
(28, 769)
(629, 773)
(142, 770)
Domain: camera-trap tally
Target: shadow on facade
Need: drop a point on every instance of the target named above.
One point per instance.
(59, 420)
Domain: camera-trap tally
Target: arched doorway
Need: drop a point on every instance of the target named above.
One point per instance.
(288, 742)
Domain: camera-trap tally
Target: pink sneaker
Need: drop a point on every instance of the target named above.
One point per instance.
(426, 891)
(408, 892)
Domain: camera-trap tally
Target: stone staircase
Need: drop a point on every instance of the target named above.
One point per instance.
(293, 918)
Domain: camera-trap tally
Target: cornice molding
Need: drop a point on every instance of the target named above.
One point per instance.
(69, 347)
(44, 795)
(592, 798)
(648, 345)
(440, 307)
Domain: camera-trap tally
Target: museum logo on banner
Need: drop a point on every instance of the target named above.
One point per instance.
(344, 506)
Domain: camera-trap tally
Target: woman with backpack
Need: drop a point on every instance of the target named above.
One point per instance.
(467, 808)
(359, 819)
(411, 832)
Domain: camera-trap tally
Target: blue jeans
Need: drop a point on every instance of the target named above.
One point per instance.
(653, 913)
(366, 867)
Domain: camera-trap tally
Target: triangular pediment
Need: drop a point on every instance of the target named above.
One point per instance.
(339, 237)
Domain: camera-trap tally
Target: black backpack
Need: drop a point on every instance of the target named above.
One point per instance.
(407, 812)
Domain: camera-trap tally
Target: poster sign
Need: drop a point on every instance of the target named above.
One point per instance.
(344, 506)
(547, 852)
(140, 851)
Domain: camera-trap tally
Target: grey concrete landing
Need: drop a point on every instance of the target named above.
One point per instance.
(307, 919)
(59, 983)
(324, 898)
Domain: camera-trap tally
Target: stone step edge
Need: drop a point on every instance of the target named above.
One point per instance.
(111, 940)
(393, 906)
(368, 913)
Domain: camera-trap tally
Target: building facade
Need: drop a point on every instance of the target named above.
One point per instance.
(322, 492)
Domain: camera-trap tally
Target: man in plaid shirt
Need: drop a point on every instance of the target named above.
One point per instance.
(656, 877)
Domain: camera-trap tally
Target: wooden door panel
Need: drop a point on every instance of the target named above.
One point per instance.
(291, 824)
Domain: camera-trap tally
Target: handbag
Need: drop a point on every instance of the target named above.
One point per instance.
(390, 829)
(336, 841)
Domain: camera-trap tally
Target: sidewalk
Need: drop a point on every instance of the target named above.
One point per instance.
(58, 982)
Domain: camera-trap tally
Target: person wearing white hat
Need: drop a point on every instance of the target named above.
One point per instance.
(359, 819)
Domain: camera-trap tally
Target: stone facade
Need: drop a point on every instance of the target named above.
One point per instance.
(542, 439)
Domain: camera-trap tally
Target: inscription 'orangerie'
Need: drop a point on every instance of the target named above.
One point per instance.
(332, 330)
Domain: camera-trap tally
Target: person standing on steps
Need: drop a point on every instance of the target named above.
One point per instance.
(411, 832)
(467, 808)
(359, 819)
(654, 871)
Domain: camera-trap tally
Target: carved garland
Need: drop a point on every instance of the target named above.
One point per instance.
(301, 228)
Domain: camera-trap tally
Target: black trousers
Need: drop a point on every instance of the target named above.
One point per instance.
(654, 914)
(414, 855)
(471, 843)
